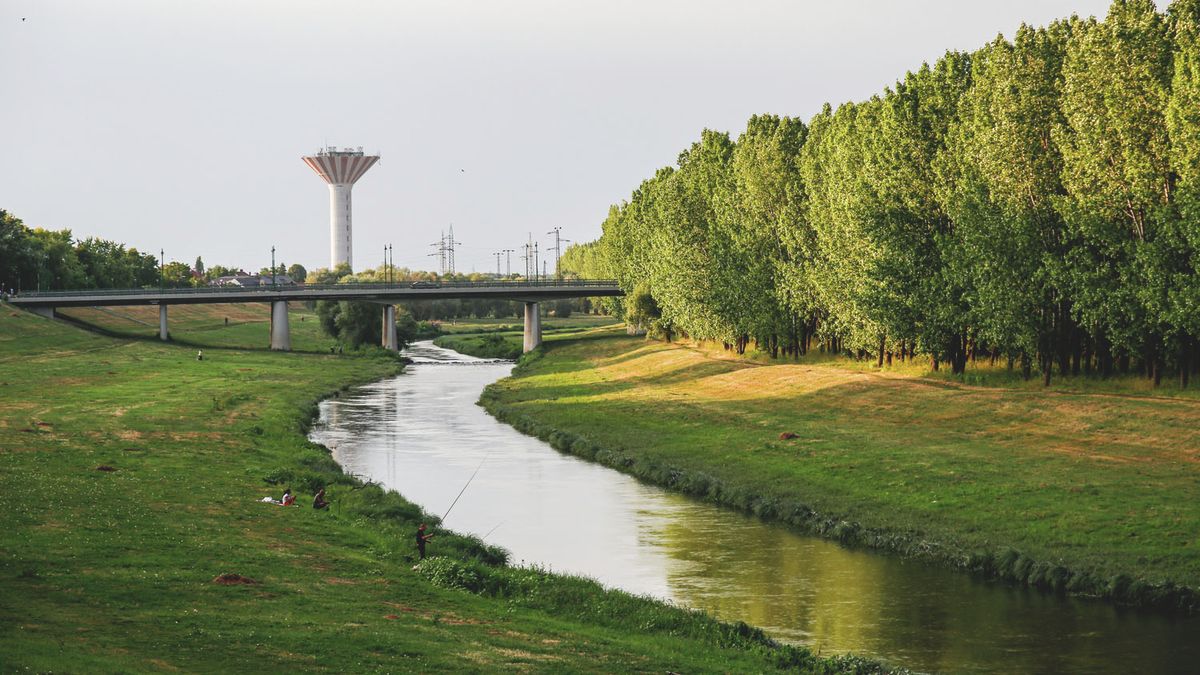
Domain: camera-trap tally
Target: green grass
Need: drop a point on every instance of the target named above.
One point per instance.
(1093, 492)
(113, 570)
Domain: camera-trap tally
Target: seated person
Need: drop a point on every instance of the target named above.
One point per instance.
(288, 498)
(319, 500)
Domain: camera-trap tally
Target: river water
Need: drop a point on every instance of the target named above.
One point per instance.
(421, 434)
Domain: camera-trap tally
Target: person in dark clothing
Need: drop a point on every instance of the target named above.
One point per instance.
(319, 500)
(421, 539)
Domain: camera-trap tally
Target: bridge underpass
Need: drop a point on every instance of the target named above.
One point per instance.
(386, 295)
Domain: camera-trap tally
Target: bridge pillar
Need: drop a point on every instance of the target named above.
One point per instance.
(281, 334)
(163, 334)
(390, 340)
(47, 312)
(533, 327)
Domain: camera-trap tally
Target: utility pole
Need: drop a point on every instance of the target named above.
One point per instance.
(525, 259)
(162, 281)
(535, 258)
(558, 242)
(272, 267)
(391, 263)
(498, 254)
(440, 253)
(508, 262)
(450, 244)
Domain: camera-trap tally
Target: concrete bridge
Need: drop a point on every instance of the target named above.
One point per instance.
(386, 295)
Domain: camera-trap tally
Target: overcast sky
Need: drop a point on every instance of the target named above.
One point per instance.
(180, 125)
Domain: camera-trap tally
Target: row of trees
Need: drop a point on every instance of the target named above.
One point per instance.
(37, 259)
(1036, 200)
(32, 259)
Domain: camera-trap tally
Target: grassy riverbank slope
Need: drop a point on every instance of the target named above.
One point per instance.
(1090, 492)
(134, 538)
(245, 325)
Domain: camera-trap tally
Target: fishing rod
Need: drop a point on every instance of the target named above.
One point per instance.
(464, 488)
(489, 533)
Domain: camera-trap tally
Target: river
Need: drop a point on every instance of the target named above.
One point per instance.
(421, 434)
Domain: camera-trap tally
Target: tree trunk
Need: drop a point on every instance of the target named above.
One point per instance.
(1185, 366)
(1026, 366)
(934, 359)
(882, 346)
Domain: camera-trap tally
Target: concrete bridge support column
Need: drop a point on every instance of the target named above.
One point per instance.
(390, 340)
(533, 327)
(163, 333)
(47, 312)
(281, 334)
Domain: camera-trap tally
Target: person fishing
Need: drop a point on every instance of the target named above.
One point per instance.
(421, 539)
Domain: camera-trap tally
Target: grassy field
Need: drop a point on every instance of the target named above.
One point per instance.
(134, 538)
(1094, 492)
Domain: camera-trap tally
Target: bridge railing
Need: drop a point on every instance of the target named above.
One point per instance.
(405, 286)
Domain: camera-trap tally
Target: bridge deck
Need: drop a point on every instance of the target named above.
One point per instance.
(527, 291)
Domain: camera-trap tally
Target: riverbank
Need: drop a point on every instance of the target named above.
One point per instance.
(1072, 492)
(135, 538)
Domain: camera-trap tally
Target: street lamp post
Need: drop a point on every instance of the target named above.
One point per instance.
(272, 267)
(162, 279)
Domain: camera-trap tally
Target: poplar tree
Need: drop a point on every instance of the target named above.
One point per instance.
(762, 217)
(1116, 170)
(1183, 128)
(999, 178)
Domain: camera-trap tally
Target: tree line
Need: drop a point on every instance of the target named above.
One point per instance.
(33, 259)
(1035, 201)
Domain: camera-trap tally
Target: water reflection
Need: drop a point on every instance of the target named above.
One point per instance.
(421, 434)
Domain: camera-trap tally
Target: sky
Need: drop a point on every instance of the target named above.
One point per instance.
(180, 125)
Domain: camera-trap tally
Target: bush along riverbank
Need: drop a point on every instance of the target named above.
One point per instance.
(484, 345)
(136, 540)
(710, 428)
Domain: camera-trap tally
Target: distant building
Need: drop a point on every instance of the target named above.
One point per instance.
(253, 280)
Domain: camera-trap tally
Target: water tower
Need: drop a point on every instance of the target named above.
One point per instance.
(341, 169)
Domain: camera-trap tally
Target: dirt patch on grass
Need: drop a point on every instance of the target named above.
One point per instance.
(336, 581)
(230, 579)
